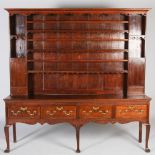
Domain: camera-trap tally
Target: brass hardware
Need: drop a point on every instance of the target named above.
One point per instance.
(15, 113)
(104, 112)
(33, 113)
(23, 108)
(131, 107)
(96, 108)
(67, 112)
(59, 108)
(51, 113)
(141, 111)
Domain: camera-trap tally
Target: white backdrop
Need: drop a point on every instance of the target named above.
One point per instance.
(60, 139)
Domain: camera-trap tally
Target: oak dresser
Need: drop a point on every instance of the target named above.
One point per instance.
(77, 66)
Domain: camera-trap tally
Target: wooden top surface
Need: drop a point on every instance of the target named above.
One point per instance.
(79, 97)
(80, 10)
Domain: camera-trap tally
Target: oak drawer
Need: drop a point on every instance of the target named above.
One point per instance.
(59, 112)
(96, 111)
(131, 111)
(23, 111)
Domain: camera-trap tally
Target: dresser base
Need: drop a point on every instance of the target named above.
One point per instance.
(77, 112)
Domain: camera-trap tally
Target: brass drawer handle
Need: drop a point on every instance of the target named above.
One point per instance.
(139, 111)
(20, 111)
(32, 113)
(50, 113)
(104, 112)
(15, 113)
(67, 112)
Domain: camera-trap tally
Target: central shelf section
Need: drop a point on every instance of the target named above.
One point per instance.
(77, 53)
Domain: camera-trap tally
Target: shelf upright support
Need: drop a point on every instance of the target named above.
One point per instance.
(143, 25)
(126, 56)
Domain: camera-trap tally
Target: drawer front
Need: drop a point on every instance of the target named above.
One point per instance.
(59, 112)
(131, 112)
(95, 111)
(24, 111)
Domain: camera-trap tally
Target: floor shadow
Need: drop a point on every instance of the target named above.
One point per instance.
(30, 134)
(108, 132)
(45, 131)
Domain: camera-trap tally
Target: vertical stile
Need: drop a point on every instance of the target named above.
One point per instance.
(12, 25)
(143, 26)
(58, 44)
(43, 53)
(126, 55)
(75, 76)
(88, 27)
(26, 52)
(28, 56)
(143, 34)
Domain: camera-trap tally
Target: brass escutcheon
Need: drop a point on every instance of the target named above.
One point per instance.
(59, 108)
(23, 108)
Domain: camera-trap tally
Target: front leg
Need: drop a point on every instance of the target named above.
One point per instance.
(14, 133)
(147, 138)
(6, 130)
(78, 138)
(140, 132)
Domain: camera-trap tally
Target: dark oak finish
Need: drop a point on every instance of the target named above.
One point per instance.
(77, 66)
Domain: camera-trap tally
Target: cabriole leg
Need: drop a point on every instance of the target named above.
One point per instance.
(147, 138)
(6, 130)
(78, 138)
(140, 132)
(14, 133)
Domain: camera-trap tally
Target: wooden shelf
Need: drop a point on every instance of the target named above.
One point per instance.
(80, 61)
(75, 39)
(77, 72)
(80, 21)
(76, 31)
(76, 51)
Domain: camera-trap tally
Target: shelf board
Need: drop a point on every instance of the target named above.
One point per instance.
(77, 72)
(75, 39)
(79, 21)
(76, 31)
(76, 51)
(80, 61)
